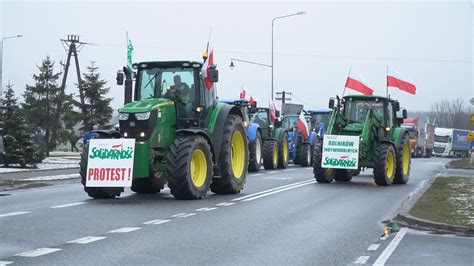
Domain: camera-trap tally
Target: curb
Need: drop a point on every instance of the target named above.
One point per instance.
(406, 219)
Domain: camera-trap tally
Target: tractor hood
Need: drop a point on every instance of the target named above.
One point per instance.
(145, 105)
(354, 127)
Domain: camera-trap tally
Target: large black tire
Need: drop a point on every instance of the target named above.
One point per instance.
(189, 167)
(322, 175)
(270, 154)
(402, 173)
(151, 185)
(305, 154)
(384, 164)
(233, 160)
(95, 192)
(343, 175)
(255, 153)
(283, 152)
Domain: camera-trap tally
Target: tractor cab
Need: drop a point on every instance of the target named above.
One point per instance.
(319, 119)
(261, 116)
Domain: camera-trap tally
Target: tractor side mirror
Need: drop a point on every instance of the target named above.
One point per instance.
(396, 106)
(277, 113)
(405, 114)
(253, 109)
(213, 74)
(331, 103)
(119, 78)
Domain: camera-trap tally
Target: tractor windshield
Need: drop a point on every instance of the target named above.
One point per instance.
(173, 83)
(291, 121)
(356, 110)
(318, 118)
(260, 117)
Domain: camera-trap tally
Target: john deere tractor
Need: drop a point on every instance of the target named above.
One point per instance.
(184, 137)
(374, 122)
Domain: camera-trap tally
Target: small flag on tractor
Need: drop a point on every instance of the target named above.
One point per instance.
(302, 125)
(243, 94)
(251, 100)
(129, 53)
(206, 66)
(272, 111)
(394, 80)
(355, 83)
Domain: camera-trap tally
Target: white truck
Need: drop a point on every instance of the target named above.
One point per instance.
(451, 142)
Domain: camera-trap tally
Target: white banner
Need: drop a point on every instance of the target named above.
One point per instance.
(340, 152)
(110, 163)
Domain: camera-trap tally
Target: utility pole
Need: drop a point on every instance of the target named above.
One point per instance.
(73, 45)
(283, 97)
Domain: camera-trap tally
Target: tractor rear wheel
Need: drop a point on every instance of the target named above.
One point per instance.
(384, 164)
(151, 185)
(95, 192)
(255, 153)
(403, 161)
(343, 175)
(305, 154)
(189, 167)
(283, 152)
(270, 154)
(322, 175)
(233, 160)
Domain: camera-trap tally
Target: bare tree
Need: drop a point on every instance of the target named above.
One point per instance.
(452, 113)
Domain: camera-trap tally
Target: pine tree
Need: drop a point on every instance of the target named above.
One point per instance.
(43, 103)
(96, 104)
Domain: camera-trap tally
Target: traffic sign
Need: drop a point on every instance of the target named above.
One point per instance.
(470, 136)
(472, 101)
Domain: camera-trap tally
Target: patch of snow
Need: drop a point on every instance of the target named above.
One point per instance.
(49, 163)
(51, 177)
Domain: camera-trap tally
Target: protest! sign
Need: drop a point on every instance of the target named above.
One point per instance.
(340, 152)
(110, 163)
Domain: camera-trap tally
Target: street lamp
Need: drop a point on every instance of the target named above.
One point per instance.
(273, 20)
(231, 66)
(1, 60)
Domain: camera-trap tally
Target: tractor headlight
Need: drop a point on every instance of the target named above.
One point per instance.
(123, 116)
(142, 116)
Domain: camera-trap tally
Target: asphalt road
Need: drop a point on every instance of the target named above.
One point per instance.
(281, 218)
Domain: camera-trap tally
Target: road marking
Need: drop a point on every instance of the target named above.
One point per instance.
(12, 214)
(362, 260)
(206, 209)
(183, 215)
(125, 230)
(277, 178)
(277, 191)
(269, 190)
(391, 247)
(373, 247)
(272, 172)
(37, 252)
(225, 204)
(287, 170)
(158, 221)
(68, 205)
(86, 240)
(257, 174)
(2, 262)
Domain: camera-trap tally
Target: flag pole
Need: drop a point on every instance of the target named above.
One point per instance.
(386, 81)
(348, 74)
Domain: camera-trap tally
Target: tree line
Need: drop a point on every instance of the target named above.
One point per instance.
(448, 113)
(48, 116)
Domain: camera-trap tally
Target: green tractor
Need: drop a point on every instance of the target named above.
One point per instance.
(183, 136)
(373, 122)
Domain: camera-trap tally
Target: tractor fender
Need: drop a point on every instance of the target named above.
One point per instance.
(278, 132)
(252, 130)
(218, 132)
(312, 138)
(391, 143)
(200, 132)
(397, 135)
(113, 134)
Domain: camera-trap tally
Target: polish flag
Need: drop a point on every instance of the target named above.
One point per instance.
(303, 126)
(251, 100)
(272, 111)
(205, 68)
(394, 80)
(355, 83)
(243, 94)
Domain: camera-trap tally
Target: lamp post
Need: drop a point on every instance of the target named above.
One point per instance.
(231, 66)
(1, 61)
(273, 21)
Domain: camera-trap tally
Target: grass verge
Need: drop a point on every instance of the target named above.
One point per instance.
(449, 200)
(466, 163)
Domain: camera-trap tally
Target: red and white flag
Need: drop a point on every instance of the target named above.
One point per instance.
(272, 111)
(243, 93)
(303, 126)
(355, 82)
(206, 66)
(394, 80)
(251, 100)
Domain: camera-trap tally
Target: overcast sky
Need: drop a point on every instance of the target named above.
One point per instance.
(429, 43)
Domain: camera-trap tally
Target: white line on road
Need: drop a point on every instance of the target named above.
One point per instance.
(125, 230)
(272, 172)
(373, 247)
(2, 262)
(272, 189)
(257, 174)
(68, 205)
(225, 204)
(158, 221)
(278, 191)
(206, 209)
(37, 252)
(86, 240)
(287, 170)
(12, 214)
(391, 247)
(277, 178)
(183, 215)
(362, 260)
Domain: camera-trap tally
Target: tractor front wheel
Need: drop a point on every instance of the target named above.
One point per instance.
(189, 167)
(233, 160)
(305, 154)
(403, 161)
(343, 175)
(255, 153)
(322, 175)
(151, 185)
(384, 164)
(270, 154)
(283, 151)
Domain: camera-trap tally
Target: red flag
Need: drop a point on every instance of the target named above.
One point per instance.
(302, 125)
(272, 111)
(205, 68)
(394, 80)
(251, 101)
(355, 83)
(243, 94)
